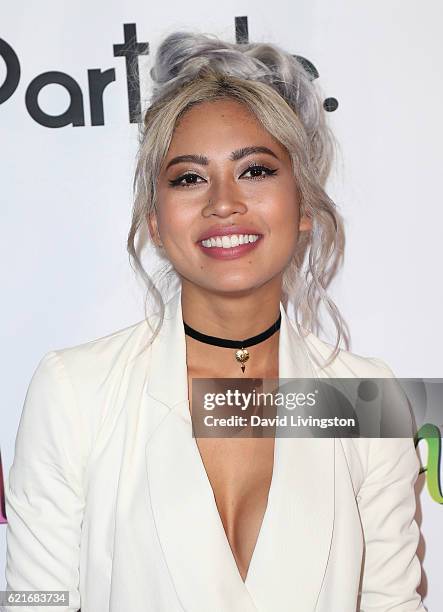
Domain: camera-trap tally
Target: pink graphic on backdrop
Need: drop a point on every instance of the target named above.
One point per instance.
(2, 496)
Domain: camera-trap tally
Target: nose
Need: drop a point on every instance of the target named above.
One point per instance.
(225, 199)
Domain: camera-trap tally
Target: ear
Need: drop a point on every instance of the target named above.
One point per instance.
(153, 229)
(305, 224)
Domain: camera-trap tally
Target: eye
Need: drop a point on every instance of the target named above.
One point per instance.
(189, 178)
(257, 171)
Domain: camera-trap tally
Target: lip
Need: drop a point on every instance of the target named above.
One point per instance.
(227, 230)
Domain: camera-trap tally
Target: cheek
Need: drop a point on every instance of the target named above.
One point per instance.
(176, 224)
(286, 216)
(174, 220)
(284, 227)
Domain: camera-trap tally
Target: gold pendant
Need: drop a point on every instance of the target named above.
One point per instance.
(242, 356)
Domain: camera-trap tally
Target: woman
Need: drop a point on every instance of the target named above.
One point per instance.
(109, 496)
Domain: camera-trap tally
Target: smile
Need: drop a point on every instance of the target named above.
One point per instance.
(227, 242)
(229, 246)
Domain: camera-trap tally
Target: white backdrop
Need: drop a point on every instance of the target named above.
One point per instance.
(66, 192)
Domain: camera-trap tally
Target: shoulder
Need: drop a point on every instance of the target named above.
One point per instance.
(105, 349)
(346, 363)
(88, 365)
(74, 388)
(365, 455)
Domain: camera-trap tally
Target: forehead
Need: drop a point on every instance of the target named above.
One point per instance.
(219, 124)
(227, 108)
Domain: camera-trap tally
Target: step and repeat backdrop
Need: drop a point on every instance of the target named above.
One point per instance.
(68, 129)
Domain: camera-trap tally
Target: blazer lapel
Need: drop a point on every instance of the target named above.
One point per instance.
(290, 557)
(190, 530)
(292, 549)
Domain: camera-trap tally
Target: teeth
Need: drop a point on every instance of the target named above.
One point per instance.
(227, 242)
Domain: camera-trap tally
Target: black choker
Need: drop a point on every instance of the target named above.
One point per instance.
(241, 354)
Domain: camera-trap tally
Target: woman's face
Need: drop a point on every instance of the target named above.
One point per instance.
(213, 182)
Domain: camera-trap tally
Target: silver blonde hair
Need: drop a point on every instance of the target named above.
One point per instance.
(191, 68)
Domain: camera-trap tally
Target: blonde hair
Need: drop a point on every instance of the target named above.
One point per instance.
(193, 68)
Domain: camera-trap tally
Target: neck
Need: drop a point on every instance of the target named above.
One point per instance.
(235, 316)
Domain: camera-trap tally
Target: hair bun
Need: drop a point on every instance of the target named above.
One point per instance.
(182, 55)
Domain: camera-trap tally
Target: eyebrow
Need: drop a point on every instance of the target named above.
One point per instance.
(234, 156)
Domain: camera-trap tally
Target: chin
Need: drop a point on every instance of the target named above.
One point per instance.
(237, 287)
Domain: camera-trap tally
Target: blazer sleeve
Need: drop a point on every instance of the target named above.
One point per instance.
(387, 505)
(44, 491)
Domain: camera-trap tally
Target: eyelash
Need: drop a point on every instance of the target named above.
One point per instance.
(269, 172)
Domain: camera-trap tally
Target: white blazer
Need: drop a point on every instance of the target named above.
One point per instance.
(108, 497)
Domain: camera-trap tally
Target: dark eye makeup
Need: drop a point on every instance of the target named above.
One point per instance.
(192, 176)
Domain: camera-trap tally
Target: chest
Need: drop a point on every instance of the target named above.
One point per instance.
(239, 470)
